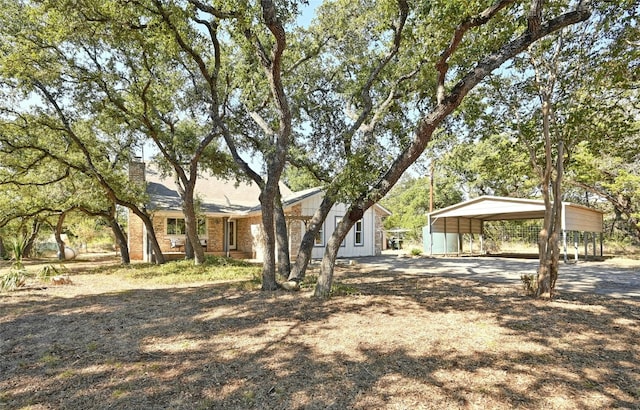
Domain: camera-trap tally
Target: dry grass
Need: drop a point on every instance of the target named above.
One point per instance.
(390, 340)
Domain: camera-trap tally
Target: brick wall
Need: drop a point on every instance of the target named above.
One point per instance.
(245, 240)
(137, 171)
(215, 235)
(135, 237)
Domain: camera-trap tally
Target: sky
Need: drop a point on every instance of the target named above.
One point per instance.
(308, 12)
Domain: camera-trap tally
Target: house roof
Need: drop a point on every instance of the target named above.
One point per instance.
(492, 208)
(216, 196)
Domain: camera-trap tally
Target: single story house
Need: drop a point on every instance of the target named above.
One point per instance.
(230, 219)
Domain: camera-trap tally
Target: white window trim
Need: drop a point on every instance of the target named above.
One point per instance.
(356, 231)
(321, 236)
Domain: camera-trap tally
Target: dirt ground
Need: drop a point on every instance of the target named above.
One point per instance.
(391, 339)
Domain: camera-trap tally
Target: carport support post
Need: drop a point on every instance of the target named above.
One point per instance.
(576, 236)
(225, 234)
(445, 237)
(601, 244)
(564, 245)
(593, 240)
(430, 235)
(586, 246)
(460, 239)
(470, 238)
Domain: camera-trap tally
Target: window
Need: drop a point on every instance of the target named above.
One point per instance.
(202, 227)
(320, 237)
(358, 234)
(176, 226)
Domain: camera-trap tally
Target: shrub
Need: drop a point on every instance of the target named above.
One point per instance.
(416, 252)
(530, 283)
(13, 279)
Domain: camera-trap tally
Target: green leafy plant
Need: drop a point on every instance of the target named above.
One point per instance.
(17, 247)
(13, 279)
(48, 271)
(416, 252)
(17, 275)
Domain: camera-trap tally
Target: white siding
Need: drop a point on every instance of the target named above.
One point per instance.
(349, 249)
(582, 219)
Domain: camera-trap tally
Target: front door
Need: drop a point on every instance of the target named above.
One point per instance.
(231, 235)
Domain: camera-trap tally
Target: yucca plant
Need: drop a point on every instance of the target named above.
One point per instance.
(17, 275)
(13, 279)
(17, 247)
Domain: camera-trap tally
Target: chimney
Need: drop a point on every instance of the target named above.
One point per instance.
(137, 170)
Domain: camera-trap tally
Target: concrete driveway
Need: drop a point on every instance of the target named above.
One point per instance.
(604, 278)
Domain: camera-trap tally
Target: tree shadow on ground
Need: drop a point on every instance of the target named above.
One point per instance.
(400, 340)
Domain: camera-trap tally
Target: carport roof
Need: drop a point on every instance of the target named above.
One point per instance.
(492, 208)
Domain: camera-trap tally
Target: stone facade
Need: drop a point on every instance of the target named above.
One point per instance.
(380, 236)
(296, 230)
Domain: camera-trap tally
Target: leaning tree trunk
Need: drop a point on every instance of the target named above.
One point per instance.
(121, 239)
(325, 279)
(308, 240)
(151, 233)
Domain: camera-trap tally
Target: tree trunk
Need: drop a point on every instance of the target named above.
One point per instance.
(3, 251)
(58, 236)
(282, 238)
(35, 229)
(121, 239)
(186, 189)
(549, 252)
(191, 227)
(325, 279)
(308, 240)
(151, 233)
(268, 239)
(557, 217)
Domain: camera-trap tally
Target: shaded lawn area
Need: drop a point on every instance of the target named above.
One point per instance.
(387, 340)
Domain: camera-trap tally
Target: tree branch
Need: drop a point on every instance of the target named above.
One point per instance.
(442, 66)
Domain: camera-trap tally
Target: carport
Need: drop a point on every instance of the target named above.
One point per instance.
(469, 218)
